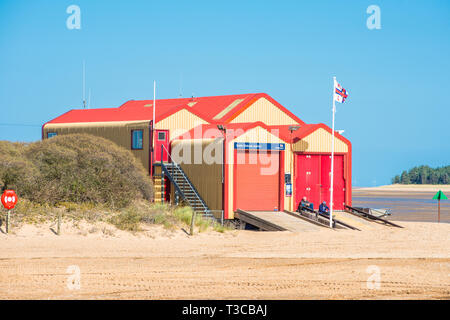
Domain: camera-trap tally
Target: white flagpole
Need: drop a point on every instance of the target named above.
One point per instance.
(332, 155)
(154, 104)
(154, 123)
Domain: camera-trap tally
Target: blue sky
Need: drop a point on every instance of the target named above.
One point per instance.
(398, 77)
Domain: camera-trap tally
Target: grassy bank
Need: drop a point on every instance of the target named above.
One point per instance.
(76, 168)
(132, 218)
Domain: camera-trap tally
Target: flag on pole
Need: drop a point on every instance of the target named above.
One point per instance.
(340, 94)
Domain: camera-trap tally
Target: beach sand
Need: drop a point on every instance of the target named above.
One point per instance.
(413, 263)
(410, 263)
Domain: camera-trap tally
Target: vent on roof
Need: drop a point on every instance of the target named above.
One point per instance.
(191, 104)
(222, 113)
(148, 105)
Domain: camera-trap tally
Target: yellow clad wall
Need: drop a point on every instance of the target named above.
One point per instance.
(206, 177)
(179, 122)
(319, 141)
(288, 168)
(265, 111)
(118, 132)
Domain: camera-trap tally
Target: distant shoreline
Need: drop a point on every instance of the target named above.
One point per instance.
(408, 187)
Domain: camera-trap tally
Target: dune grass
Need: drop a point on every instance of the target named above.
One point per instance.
(131, 218)
(170, 217)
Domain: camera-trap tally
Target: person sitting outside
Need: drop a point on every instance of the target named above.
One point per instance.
(305, 204)
(323, 208)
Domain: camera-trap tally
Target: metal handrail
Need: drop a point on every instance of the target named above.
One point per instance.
(222, 218)
(178, 165)
(163, 147)
(163, 167)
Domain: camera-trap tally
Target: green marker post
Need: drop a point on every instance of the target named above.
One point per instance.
(438, 196)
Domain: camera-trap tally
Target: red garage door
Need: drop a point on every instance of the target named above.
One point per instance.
(307, 178)
(312, 179)
(338, 184)
(257, 180)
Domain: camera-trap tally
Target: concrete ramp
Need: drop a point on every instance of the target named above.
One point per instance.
(275, 221)
(358, 222)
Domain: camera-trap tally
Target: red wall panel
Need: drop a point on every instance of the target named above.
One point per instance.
(307, 178)
(312, 179)
(338, 184)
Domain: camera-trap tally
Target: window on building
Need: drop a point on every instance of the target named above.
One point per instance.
(161, 136)
(137, 139)
(51, 134)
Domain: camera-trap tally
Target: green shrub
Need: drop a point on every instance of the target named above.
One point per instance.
(128, 220)
(28, 212)
(219, 228)
(76, 168)
(139, 212)
(183, 214)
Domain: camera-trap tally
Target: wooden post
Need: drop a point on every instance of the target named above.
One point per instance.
(58, 227)
(192, 223)
(7, 221)
(438, 196)
(439, 210)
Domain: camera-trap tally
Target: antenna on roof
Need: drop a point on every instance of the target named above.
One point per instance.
(84, 84)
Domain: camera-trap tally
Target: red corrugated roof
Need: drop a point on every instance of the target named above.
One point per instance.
(304, 131)
(234, 130)
(102, 115)
(205, 107)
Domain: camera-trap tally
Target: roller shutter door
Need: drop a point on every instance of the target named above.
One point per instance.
(257, 180)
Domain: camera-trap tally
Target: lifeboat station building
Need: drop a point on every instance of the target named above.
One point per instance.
(220, 154)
